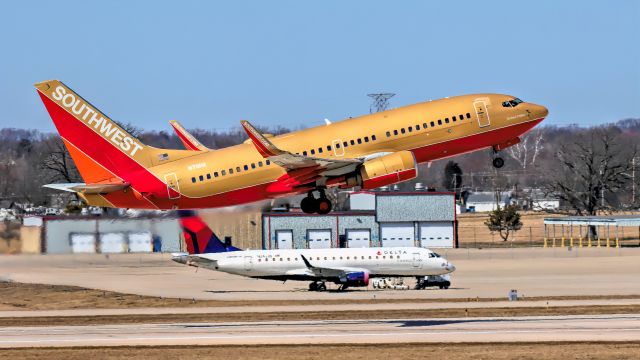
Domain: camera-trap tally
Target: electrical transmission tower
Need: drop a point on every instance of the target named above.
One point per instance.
(380, 102)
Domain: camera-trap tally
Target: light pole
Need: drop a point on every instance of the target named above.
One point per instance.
(633, 180)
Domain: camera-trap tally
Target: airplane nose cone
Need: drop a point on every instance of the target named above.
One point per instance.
(539, 111)
(450, 267)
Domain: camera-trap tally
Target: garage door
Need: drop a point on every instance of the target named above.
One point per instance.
(359, 238)
(397, 234)
(284, 239)
(140, 242)
(112, 243)
(319, 239)
(436, 234)
(83, 243)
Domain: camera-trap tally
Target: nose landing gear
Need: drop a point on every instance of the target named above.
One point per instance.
(322, 205)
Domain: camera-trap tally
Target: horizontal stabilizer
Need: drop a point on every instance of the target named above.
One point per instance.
(88, 188)
(196, 261)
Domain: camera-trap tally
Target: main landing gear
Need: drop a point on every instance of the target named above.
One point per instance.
(497, 161)
(312, 205)
(317, 286)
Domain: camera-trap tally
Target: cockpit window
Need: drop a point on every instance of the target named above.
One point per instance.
(512, 103)
(434, 255)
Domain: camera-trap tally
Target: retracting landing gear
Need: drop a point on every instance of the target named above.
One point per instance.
(317, 286)
(498, 162)
(322, 205)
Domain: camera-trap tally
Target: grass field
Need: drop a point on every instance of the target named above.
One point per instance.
(472, 232)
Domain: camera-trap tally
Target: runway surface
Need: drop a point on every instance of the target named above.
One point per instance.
(625, 327)
(483, 273)
(319, 308)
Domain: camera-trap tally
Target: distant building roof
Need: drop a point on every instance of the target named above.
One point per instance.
(620, 220)
(487, 197)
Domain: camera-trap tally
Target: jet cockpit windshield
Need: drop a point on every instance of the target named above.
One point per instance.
(512, 103)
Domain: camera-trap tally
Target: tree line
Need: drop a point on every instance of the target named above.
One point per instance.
(590, 169)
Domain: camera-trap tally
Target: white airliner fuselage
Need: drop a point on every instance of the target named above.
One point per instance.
(349, 267)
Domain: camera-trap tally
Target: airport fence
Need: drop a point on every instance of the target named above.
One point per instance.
(534, 236)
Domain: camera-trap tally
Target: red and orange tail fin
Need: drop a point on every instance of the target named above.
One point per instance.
(101, 149)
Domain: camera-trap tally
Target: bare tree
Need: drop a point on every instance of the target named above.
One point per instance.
(526, 152)
(593, 165)
(57, 162)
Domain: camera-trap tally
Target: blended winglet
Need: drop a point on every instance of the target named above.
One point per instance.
(262, 144)
(189, 141)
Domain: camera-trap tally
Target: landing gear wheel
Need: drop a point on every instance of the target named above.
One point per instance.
(309, 205)
(313, 286)
(498, 162)
(321, 287)
(324, 206)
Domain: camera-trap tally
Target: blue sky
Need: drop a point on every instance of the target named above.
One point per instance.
(294, 63)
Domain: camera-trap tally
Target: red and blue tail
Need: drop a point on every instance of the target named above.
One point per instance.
(199, 238)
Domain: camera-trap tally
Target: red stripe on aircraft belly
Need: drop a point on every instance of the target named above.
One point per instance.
(235, 197)
(471, 143)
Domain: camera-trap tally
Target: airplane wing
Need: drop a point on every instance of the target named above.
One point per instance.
(188, 140)
(97, 188)
(298, 166)
(323, 272)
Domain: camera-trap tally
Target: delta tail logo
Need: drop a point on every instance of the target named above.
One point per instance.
(93, 119)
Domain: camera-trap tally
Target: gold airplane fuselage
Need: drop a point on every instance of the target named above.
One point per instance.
(430, 130)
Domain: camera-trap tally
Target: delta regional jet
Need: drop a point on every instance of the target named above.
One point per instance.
(368, 151)
(345, 267)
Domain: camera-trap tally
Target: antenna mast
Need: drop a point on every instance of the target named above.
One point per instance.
(380, 102)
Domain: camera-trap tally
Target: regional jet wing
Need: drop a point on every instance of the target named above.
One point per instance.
(294, 163)
(323, 272)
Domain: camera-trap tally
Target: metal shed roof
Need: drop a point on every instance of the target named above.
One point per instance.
(621, 220)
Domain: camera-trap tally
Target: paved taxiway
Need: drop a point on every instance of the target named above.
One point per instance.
(484, 273)
(329, 308)
(625, 327)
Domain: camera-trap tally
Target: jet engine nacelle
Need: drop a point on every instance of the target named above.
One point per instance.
(359, 278)
(384, 170)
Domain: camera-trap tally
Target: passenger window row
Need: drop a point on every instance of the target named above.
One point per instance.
(338, 145)
(426, 125)
(230, 171)
(384, 257)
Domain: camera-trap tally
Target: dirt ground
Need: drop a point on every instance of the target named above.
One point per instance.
(317, 315)
(493, 351)
(19, 296)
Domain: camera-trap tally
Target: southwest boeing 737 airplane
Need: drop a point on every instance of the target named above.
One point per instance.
(345, 267)
(369, 151)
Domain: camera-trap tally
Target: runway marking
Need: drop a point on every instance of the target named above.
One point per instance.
(313, 335)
